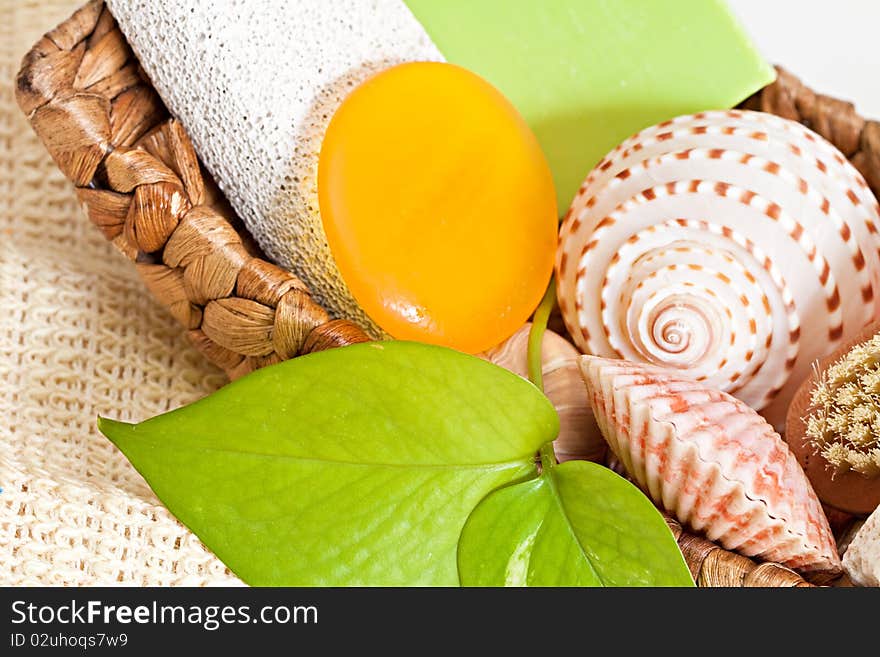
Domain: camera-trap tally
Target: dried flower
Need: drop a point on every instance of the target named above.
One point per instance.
(844, 423)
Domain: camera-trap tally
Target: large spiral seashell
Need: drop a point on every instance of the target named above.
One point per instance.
(737, 245)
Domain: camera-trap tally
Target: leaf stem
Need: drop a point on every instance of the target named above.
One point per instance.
(536, 334)
(548, 457)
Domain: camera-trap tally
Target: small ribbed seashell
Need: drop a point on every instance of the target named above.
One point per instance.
(712, 461)
(736, 245)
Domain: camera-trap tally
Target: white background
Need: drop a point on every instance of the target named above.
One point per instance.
(832, 45)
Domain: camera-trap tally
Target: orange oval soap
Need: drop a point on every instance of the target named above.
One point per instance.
(438, 206)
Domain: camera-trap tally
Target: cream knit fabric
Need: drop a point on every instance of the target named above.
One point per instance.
(79, 336)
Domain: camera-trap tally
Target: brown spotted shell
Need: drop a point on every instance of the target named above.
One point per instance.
(736, 245)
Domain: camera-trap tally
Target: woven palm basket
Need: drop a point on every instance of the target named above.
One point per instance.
(137, 176)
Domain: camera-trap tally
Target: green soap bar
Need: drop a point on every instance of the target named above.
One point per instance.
(586, 74)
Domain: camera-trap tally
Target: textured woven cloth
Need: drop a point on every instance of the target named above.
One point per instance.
(79, 336)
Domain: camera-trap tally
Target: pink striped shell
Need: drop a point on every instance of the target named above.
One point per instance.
(712, 461)
(737, 245)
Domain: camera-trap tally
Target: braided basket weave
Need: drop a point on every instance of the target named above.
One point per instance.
(139, 180)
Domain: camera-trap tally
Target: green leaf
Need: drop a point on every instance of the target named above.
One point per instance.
(354, 466)
(578, 524)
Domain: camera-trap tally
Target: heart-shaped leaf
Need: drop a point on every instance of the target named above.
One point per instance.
(578, 524)
(354, 466)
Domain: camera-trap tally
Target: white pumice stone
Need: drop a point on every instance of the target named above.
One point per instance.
(255, 83)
